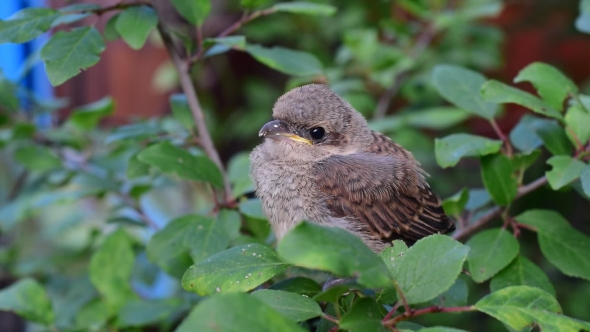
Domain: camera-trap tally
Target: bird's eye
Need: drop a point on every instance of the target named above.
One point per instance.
(317, 133)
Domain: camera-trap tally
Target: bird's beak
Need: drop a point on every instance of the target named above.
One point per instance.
(277, 130)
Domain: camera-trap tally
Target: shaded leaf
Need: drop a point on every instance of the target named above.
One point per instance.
(455, 204)
(133, 131)
(235, 313)
(585, 178)
(522, 272)
(293, 306)
(478, 198)
(307, 8)
(431, 118)
(252, 208)
(522, 161)
(27, 24)
(298, 285)
(335, 250)
(28, 299)
(110, 270)
(552, 85)
(237, 269)
(365, 315)
(174, 160)
(491, 251)
(285, 60)
(66, 53)
(554, 138)
(565, 170)
(88, 116)
(583, 20)
(238, 172)
(455, 296)
(231, 222)
(562, 245)
(522, 306)
(181, 111)
(135, 24)
(440, 329)
(253, 3)
(194, 11)
(524, 135)
(498, 92)
(461, 86)
(450, 149)
(136, 168)
(37, 158)
(110, 29)
(146, 312)
(429, 267)
(498, 177)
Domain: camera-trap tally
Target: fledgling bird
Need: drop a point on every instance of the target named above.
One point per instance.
(320, 162)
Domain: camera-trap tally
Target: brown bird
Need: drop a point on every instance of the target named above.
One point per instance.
(320, 162)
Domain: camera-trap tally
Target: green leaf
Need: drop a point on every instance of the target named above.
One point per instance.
(66, 53)
(136, 168)
(238, 269)
(450, 149)
(562, 245)
(522, 272)
(429, 267)
(295, 307)
(135, 24)
(8, 96)
(455, 296)
(335, 250)
(498, 92)
(365, 315)
(438, 118)
(478, 198)
(28, 299)
(551, 84)
(27, 24)
(238, 172)
(252, 208)
(565, 170)
(285, 60)
(332, 294)
(181, 111)
(522, 306)
(253, 3)
(440, 329)
(146, 312)
(37, 158)
(307, 8)
(171, 159)
(491, 251)
(235, 313)
(110, 29)
(585, 178)
(92, 316)
(577, 120)
(522, 161)
(231, 222)
(298, 285)
(88, 116)
(194, 11)
(499, 179)
(554, 138)
(460, 86)
(110, 270)
(133, 131)
(524, 135)
(583, 20)
(455, 204)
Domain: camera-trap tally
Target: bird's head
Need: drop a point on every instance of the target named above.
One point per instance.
(312, 122)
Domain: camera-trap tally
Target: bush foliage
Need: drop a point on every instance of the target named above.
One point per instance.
(94, 218)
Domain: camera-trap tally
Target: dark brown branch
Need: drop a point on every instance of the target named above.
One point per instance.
(497, 211)
(188, 88)
(421, 44)
(424, 311)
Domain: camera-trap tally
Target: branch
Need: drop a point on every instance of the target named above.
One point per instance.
(188, 88)
(135, 206)
(231, 29)
(497, 211)
(503, 137)
(119, 6)
(422, 43)
(424, 311)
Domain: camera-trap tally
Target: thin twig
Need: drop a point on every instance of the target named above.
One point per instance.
(193, 102)
(421, 44)
(135, 206)
(497, 211)
(402, 296)
(391, 312)
(503, 137)
(428, 310)
(330, 318)
(233, 28)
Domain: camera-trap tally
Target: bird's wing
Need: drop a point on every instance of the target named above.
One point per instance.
(384, 189)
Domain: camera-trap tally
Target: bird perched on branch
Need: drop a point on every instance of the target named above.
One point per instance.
(320, 162)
